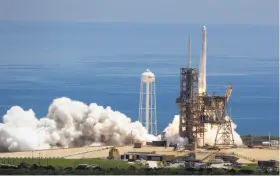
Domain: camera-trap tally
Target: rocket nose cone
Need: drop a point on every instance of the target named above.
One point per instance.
(204, 28)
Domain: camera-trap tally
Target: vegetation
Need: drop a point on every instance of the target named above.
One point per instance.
(60, 166)
(60, 162)
(252, 166)
(131, 171)
(55, 166)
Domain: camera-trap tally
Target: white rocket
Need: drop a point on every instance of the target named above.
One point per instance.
(202, 65)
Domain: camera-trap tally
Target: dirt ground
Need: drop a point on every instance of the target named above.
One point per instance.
(255, 154)
(90, 152)
(246, 155)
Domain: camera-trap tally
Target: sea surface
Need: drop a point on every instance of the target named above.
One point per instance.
(102, 63)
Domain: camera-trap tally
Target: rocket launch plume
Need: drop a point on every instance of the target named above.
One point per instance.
(72, 123)
(211, 131)
(172, 134)
(202, 66)
(68, 124)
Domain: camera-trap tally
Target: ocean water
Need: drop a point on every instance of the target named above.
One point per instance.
(102, 63)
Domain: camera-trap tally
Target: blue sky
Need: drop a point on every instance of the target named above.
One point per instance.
(144, 11)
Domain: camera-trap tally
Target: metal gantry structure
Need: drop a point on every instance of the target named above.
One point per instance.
(224, 134)
(198, 109)
(189, 104)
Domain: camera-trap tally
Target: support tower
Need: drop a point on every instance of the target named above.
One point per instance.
(189, 103)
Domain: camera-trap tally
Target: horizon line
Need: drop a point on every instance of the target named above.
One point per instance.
(132, 22)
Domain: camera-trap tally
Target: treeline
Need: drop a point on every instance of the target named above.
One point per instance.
(49, 170)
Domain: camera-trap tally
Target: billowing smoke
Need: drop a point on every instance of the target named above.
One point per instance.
(172, 132)
(211, 131)
(72, 124)
(68, 124)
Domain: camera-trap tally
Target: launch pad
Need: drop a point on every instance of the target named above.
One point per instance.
(198, 109)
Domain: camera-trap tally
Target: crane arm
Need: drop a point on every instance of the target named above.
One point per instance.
(228, 92)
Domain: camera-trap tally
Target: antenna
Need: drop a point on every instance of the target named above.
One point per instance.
(189, 52)
(131, 138)
(269, 139)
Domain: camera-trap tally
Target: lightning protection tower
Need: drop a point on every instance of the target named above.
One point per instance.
(147, 103)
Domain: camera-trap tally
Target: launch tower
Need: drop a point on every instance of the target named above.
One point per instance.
(189, 103)
(197, 108)
(147, 104)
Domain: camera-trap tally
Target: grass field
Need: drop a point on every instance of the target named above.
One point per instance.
(59, 162)
(252, 166)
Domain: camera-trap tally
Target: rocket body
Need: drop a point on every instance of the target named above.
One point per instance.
(202, 66)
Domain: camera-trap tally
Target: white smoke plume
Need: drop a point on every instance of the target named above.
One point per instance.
(68, 124)
(72, 124)
(211, 131)
(172, 133)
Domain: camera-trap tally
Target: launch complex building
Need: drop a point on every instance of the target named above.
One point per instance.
(197, 108)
